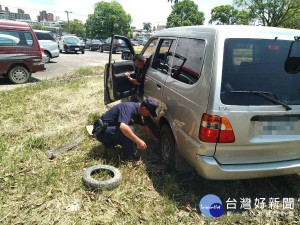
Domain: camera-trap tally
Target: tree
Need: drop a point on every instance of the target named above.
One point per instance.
(108, 18)
(227, 14)
(76, 27)
(293, 23)
(185, 13)
(38, 26)
(147, 26)
(271, 12)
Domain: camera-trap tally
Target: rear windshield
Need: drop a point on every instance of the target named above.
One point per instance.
(15, 38)
(44, 36)
(258, 65)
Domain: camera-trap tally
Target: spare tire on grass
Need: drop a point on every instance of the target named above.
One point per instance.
(94, 184)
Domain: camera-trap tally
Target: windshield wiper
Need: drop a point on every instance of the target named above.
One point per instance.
(265, 96)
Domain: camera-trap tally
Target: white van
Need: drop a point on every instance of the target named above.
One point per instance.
(229, 98)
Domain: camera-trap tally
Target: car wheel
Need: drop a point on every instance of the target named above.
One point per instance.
(82, 51)
(18, 75)
(48, 57)
(114, 52)
(90, 182)
(60, 51)
(101, 49)
(167, 146)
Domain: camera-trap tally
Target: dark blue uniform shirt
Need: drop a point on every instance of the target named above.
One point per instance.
(141, 73)
(123, 113)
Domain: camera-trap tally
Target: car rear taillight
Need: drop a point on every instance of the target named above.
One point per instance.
(216, 129)
(53, 40)
(117, 44)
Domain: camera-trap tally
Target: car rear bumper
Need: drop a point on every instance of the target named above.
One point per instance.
(209, 168)
(55, 53)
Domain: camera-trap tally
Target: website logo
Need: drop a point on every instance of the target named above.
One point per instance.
(211, 206)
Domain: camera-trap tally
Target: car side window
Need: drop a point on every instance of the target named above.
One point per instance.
(28, 38)
(12, 38)
(150, 48)
(188, 60)
(163, 56)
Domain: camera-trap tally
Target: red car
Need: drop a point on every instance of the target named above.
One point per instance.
(20, 52)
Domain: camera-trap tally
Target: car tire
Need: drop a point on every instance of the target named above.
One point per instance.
(60, 51)
(101, 49)
(48, 56)
(82, 51)
(90, 182)
(19, 75)
(167, 146)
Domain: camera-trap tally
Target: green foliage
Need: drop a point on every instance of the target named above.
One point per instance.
(38, 26)
(76, 27)
(108, 18)
(185, 13)
(147, 26)
(271, 12)
(227, 14)
(293, 22)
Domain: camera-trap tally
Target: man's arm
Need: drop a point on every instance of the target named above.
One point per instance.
(134, 81)
(149, 133)
(130, 134)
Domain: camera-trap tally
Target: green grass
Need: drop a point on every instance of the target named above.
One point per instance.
(36, 190)
(138, 49)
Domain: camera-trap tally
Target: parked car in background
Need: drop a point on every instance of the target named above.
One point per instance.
(118, 46)
(229, 98)
(20, 52)
(93, 45)
(48, 42)
(71, 44)
(134, 43)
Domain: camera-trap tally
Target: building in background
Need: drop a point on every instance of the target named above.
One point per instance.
(7, 15)
(44, 16)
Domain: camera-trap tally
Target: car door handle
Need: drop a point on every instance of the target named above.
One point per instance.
(158, 85)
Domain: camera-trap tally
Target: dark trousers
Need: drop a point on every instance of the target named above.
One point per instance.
(114, 136)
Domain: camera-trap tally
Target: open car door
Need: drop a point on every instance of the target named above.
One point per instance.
(116, 85)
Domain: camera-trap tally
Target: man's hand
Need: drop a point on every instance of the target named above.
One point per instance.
(127, 74)
(141, 144)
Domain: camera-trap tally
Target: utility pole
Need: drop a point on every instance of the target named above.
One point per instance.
(68, 20)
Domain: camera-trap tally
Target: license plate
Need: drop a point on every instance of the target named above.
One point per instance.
(76, 48)
(283, 127)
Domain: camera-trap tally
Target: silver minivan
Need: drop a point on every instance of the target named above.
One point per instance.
(229, 98)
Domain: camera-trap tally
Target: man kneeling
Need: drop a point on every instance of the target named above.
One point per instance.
(120, 119)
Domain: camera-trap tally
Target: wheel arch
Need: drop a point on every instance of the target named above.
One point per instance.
(49, 53)
(18, 64)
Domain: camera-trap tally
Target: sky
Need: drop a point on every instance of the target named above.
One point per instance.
(152, 11)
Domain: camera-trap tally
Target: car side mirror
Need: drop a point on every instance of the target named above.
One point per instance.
(126, 55)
